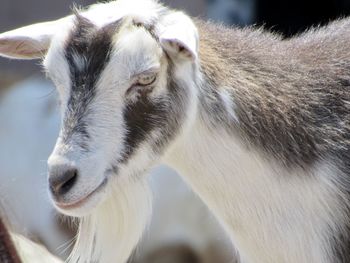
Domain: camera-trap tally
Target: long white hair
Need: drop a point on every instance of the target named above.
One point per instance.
(114, 228)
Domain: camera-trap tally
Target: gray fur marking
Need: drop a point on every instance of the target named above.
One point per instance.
(292, 97)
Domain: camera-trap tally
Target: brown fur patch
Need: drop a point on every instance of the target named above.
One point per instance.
(291, 96)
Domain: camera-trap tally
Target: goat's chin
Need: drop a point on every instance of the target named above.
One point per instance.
(85, 205)
(111, 232)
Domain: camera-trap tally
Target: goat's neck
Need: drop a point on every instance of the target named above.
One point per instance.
(255, 197)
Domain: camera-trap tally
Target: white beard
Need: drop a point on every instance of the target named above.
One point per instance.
(111, 232)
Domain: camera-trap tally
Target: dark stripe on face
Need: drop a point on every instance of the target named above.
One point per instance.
(87, 52)
(163, 114)
(141, 118)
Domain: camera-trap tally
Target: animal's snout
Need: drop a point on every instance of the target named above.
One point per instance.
(62, 178)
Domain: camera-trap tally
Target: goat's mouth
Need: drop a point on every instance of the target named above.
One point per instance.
(80, 202)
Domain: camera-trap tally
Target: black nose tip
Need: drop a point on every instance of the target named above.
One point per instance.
(61, 182)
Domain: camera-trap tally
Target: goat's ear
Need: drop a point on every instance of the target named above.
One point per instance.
(179, 36)
(28, 42)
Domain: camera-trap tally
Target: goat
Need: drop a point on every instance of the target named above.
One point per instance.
(256, 125)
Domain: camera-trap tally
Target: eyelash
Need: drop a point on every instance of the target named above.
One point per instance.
(138, 84)
(153, 77)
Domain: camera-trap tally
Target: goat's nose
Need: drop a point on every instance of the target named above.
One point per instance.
(62, 180)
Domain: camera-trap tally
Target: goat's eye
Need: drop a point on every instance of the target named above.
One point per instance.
(146, 80)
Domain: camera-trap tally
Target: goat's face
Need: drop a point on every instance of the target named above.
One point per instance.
(125, 89)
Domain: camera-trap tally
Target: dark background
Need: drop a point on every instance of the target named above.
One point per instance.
(293, 16)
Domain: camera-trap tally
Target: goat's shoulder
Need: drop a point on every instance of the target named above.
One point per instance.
(322, 45)
(292, 85)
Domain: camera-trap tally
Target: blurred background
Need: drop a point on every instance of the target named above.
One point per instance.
(182, 229)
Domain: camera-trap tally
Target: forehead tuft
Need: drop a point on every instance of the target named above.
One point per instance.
(146, 11)
(88, 47)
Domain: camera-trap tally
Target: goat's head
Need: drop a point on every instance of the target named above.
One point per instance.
(125, 81)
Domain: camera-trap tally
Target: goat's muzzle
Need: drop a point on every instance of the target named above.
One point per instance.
(62, 178)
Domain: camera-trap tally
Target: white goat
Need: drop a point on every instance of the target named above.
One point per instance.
(259, 127)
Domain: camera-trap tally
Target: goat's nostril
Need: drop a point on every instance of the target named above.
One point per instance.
(67, 185)
(61, 184)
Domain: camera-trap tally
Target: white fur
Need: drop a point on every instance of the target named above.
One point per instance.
(145, 11)
(136, 53)
(177, 29)
(256, 199)
(229, 105)
(114, 227)
(111, 231)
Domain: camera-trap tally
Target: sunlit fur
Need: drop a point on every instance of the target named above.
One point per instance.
(257, 126)
(112, 229)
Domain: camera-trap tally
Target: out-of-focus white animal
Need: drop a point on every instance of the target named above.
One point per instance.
(29, 125)
(30, 252)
